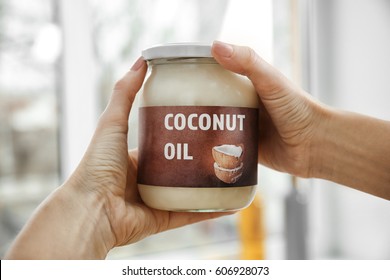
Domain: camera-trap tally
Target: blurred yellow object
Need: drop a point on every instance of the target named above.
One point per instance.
(251, 230)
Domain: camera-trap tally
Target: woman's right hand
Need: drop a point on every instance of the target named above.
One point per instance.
(305, 138)
(289, 118)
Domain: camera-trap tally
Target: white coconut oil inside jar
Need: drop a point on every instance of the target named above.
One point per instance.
(190, 105)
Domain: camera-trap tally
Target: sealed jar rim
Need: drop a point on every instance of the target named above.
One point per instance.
(177, 50)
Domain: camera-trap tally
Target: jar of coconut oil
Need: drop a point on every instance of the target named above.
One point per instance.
(198, 127)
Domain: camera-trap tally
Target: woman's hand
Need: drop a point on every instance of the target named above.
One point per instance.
(99, 207)
(288, 116)
(305, 138)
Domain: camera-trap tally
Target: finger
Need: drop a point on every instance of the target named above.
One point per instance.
(118, 108)
(133, 154)
(131, 191)
(269, 82)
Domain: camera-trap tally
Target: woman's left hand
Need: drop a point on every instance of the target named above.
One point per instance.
(99, 206)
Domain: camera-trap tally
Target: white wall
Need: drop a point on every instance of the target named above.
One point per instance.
(351, 70)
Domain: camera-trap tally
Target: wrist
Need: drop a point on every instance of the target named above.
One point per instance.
(321, 148)
(88, 210)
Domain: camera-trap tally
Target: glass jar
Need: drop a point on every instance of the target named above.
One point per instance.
(198, 127)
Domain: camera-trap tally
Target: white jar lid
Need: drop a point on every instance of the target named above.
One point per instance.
(177, 50)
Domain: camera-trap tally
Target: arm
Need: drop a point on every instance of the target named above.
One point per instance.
(303, 137)
(354, 150)
(68, 225)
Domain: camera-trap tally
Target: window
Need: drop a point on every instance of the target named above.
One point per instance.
(29, 81)
(50, 116)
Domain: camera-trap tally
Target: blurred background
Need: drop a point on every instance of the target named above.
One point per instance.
(58, 63)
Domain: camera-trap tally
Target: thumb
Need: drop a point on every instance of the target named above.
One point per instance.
(118, 109)
(269, 82)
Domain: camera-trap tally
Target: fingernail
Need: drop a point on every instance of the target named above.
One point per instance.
(138, 64)
(223, 49)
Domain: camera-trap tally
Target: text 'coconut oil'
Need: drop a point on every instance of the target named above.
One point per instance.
(198, 132)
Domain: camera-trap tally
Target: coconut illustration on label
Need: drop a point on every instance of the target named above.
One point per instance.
(228, 165)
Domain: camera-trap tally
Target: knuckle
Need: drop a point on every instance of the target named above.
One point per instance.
(120, 85)
(249, 61)
(252, 61)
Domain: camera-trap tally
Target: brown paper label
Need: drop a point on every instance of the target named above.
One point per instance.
(198, 146)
